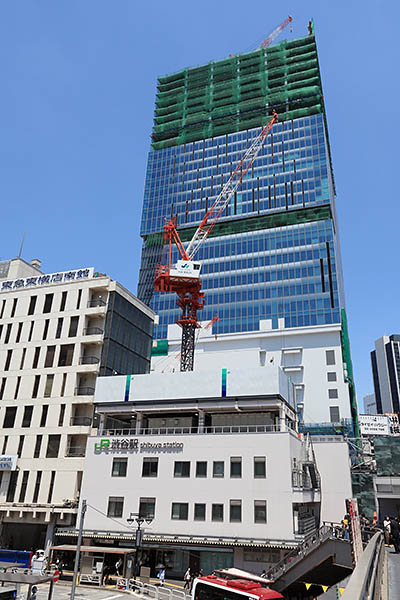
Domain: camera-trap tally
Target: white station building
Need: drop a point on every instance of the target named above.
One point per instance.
(58, 332)
(214, 459)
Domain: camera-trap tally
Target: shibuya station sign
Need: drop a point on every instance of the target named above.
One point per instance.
(135, 445)
(35, 282)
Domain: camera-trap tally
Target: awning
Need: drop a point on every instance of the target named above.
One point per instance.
(94, 549)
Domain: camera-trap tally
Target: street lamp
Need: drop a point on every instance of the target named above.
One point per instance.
(139, 520)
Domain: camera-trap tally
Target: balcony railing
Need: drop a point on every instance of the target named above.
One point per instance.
(229, 429)
(75, 451)
(93, 331)
(95, 302)
(81, 421)
(89, 360)
(84, 391)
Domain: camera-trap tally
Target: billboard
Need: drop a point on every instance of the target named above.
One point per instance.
(393, 423)
(374, 425)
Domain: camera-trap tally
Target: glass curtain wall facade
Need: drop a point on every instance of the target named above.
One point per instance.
(274, 254)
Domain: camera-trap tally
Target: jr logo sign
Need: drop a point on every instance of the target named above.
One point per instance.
(102, 445)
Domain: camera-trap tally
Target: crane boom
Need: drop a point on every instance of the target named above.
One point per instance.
(268, 41)
(230, 187)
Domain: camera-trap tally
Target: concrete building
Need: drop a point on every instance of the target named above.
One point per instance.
(370, 404)
(58, 332)
(274, 255)
(215, 460)
(385, 363)
(311, 357)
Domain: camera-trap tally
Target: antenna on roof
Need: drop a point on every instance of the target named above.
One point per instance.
(22, 245)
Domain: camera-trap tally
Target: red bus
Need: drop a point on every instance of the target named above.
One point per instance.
(213, 587)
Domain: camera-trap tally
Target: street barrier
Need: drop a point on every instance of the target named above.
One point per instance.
(366, 580)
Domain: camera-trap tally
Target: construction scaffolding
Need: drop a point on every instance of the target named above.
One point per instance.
(238, 93)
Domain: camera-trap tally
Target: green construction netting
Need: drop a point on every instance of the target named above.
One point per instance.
(235, 226)
(387, 455)
(363, 490)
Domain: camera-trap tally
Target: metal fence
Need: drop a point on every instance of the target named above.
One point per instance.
(158, 592)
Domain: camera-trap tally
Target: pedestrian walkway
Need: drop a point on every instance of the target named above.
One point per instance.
(393, 574)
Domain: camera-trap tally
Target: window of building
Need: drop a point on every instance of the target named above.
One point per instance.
(20, 445)
(199, 512)
(2, 387)
(119, 467)
(8, 360)
(260, 470)
(236, 467)
(235, 511)
(9, 417)
(17, 385)
(150, 467)
(147, 507)
(37, 486)
(19, 331)
(32, 305)
(46, 329)
(51, 487)
(21, 364)
(63, 301)
(63, 384)
(182, 468)
(334, 414)
(53, 446)
(31, 331)
(12, 486)
(49, 386)
(3, 305)
(36, 386)
(24, 485)
(180, 511)
(48, 301)
(1, 329)
(333, 393)
(331, 376)
(36, 358)
(260, 511)
(60, 322)
(8, 333)
(38, 445)
(27, 418)
(49, 360)
(14, 306)
(43, 418)
(218, 468)
(201, 468)
(217, 512)
(61, 415)
(73, 326)
(330, 357)
(78, 302)
(5, 443)
(66, 354)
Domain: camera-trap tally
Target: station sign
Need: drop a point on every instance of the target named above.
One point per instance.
(134, 445)
(39, 280)
(374, 424)
(8, 462)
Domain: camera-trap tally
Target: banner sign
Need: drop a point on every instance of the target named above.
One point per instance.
(355, 528)
(34, 282)
(8, 462)
(393, 423)
(374, 424)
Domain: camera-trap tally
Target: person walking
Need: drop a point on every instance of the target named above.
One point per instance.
(187, 579)
(118, 565)
(386, 529)
(161, 575)
(394, 532)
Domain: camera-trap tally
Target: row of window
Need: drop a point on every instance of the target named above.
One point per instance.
(52, 449)
(72, 330)
(47, 392)
(180, 510)
(65, 357)
(11, 413)
(182, 468)
(47, 304)
(13, 481)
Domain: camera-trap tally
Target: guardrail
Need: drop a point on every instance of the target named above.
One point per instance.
(366, 580)
(158, 592)
(216, 429)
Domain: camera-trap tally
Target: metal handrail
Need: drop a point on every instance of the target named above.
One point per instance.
(89, 360)
(366, 579)
(196, 430)
(82, 421)
(75, 451)
(93, 331)
(95, 302)
(84, 391)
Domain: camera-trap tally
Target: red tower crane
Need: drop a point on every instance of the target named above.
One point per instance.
(184, 277)
(268, 41)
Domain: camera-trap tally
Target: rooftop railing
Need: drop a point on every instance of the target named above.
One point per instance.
(215, 430)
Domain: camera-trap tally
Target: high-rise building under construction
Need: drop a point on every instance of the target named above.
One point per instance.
(272, 262)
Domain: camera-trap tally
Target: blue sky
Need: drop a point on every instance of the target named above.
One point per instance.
(76, 109)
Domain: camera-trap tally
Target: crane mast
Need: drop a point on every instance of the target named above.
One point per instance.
(183, 278)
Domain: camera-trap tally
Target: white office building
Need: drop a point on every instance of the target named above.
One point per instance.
(58, 332)
(311, 357)
(214, 459)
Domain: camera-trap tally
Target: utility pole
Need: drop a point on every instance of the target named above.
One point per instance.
(78, 549)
